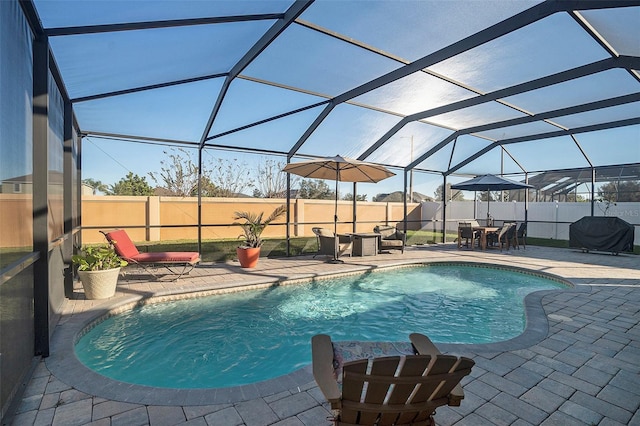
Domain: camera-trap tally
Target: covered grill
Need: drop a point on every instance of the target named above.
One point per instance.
(602, 233)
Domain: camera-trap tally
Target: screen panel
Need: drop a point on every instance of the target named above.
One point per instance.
(312, 61)
(128, 59)
(169, 113)
(542, 48)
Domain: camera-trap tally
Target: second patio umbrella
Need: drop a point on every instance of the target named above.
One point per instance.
(340, 169)
(489, 183)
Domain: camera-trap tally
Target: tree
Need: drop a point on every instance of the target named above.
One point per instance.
(315, 189)
(492, 195)
(178, 173)
(96, 185)
(271, 181)
(453, 195)
(573, 198)
(359, 197)
(620, 191)
(207, 188)
(231, 177)
(131, 185)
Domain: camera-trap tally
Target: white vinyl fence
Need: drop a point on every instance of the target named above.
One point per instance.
(545, 219)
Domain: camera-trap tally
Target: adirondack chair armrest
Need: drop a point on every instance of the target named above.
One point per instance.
(424, 346)
(323, 370)
(456, 396)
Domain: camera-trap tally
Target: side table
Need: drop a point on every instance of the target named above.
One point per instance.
(365, 244)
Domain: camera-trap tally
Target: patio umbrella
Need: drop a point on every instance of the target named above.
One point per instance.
(340, 169)
(489, 183)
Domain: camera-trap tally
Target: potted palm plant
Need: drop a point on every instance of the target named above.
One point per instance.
(252, 228)
(98, 268)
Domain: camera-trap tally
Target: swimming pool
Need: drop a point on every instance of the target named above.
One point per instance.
(246, 337)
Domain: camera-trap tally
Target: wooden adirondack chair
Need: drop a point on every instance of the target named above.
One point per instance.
(394, 390)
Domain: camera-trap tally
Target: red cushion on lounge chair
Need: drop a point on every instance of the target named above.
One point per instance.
(122, 243)
(167, 257)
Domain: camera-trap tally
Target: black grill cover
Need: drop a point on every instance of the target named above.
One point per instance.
(602, 233)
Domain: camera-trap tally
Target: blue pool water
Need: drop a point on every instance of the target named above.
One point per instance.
(246, 337)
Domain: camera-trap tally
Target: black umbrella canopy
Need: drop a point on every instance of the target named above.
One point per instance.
(489, 183)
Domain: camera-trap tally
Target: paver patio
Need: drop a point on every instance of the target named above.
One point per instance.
(578, 362)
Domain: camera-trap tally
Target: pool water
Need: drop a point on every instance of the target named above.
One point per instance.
(249, 336)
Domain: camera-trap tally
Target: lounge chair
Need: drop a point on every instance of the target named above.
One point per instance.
(390, 238)
(369, 391)
(330, 244)
(127, 250)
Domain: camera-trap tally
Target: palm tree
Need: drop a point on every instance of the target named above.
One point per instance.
(253, 225)
(96, 185)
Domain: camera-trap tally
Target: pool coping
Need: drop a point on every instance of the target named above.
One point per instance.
(64, 364)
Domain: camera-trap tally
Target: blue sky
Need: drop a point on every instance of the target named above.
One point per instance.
(305, 67)
(103, 160)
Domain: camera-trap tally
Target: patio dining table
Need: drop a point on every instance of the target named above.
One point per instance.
(484, 230)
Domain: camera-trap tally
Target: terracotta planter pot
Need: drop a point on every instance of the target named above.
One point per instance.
(248, 256)
(99, 284)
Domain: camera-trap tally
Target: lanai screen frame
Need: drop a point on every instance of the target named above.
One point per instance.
(291, 16)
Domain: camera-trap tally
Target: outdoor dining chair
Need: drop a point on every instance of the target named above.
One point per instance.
(521, 236)
(466, 232)
(506, 235)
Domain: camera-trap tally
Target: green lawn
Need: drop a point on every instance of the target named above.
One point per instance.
(8, 255)
(222, 250)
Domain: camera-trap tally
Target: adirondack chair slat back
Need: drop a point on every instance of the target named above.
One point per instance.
(399, 390)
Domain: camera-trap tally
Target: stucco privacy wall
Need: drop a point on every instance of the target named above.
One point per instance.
(142, 216)
(179, 216)
(16, 220)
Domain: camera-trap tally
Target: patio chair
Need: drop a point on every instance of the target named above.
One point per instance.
(403, 389)
(466, 232)
(390, 238)
(330, 244)
(521, 235)
(505, 235)
(127, 250)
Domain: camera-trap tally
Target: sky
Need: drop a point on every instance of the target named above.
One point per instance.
(307, 68)
(103, 161)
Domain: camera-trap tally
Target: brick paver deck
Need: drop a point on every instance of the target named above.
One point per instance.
(578, 362)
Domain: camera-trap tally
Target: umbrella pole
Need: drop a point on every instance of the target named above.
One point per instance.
(335, 211)
(335, 222)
